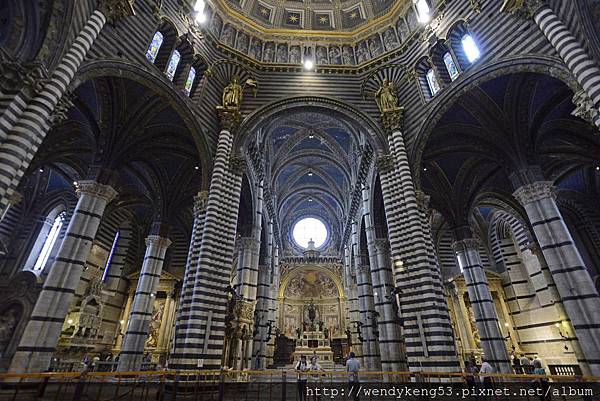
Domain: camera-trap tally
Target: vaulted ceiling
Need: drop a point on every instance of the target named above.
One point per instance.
(311, 165)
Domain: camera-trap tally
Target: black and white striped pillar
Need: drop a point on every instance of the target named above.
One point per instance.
(132, 350)
(486, 317)
(427, 328)
(390, 342)
(43, 329)
(582, 66)
(573, 282)
(264, 305)
(205, 319)
(366, 302)
(191, 265)
(352, 302)
(26, 135)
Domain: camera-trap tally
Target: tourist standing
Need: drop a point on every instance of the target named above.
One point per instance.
(485, 372)
(353, 367)
(301, 368)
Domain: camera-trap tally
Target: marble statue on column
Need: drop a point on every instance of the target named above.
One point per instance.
(229, 110)
(387, 101)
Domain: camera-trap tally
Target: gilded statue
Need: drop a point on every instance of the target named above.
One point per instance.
(233, 93)
(386, 97)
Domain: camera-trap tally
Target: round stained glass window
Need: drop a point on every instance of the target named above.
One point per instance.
(310, 229)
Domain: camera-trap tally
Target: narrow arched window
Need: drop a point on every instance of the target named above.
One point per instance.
(451, 66)
(154, 47)
(470, 48)
(110, 255)
(49, 242)
(432, 81)
(173, 63)
(423, 11)
(189, 82)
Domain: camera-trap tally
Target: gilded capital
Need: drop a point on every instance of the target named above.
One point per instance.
(114, 10)
(467, 244)
(393, 120)
(95, 189)
(158, 241)
(534, 192)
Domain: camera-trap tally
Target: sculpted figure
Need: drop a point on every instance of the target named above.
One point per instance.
(386, 97)
(232, 94)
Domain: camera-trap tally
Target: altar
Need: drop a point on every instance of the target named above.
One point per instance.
(314, 343)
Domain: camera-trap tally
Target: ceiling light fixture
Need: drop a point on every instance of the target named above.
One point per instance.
(310, 173)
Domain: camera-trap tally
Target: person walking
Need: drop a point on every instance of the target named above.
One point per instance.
(302, 368)
(353, 367)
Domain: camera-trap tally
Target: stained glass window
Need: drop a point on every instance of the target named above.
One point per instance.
(190, 81)
(152, 52)
(451, 66)
(470, 48)
(49, 242)
(173, 63)
(434, 86)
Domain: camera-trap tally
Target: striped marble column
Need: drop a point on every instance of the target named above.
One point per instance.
(390, 342)
(19, 83)
(264, 301)
(191, 265)
(582, 66)
(486, 318)
(351, 303)
(43, 329)
(273, 306)
(23, 140)
(132, 350)
(113, 276)
(205, 327)
(427, 327)
(573, 282)
(366, 302)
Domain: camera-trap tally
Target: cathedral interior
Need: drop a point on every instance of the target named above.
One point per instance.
(233, 184)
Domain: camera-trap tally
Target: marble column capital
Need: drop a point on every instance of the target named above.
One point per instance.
(237, 164)
(524, 7)
(584, 107)
(381, 245)
(393, 119)
(249, 243)
(14, 198)
(95, 189)
(535, 192)
(156, 240)
(422, 200)
(385, 162)
(200, 202)
(116, 9)
(467, 244)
